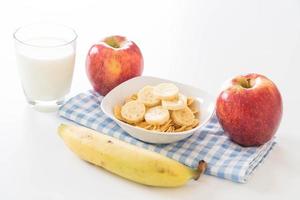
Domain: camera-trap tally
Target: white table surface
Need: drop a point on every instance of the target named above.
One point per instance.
(201, 43)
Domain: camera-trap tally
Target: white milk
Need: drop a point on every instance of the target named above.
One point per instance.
(46, 73)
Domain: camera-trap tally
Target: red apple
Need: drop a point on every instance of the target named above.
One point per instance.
(250, 109)
(113, 61)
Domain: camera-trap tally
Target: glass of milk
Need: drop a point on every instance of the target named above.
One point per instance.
(45, 56)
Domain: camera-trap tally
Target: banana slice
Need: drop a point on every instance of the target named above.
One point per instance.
(131, 98)
(183, 117)
(176, 104)
(166, 91)
(147, 97)
(133, 111)
(157, 115)
(117, 112)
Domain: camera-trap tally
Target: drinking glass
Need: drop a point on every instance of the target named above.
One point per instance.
(45, 55)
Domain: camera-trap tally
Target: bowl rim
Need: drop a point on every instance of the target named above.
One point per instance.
(200, 125)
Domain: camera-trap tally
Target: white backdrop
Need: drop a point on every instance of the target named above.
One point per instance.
(201, 43)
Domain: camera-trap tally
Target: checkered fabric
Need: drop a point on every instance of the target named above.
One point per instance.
(225, 159)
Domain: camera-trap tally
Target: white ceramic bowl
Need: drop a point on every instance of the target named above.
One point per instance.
(119, 93)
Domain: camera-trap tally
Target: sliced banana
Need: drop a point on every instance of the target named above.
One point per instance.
(117, 112)
(133, 111)
(131, 98)
(166, 91)
(147, 97)
(177, 104)
(157, 115)
(183, 117)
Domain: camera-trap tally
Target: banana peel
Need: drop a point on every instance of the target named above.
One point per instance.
(126, 160)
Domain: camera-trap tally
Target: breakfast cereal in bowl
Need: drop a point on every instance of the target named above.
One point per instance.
(159, 108)
(156, 110)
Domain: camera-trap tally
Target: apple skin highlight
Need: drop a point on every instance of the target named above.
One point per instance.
(250, 109)
(113, 61)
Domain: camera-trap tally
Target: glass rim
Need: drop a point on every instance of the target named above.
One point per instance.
(45, 46)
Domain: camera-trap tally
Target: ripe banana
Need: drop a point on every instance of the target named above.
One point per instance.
(126, 160)
(157, 115)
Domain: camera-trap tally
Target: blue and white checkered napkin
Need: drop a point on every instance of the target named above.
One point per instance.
(225, 159)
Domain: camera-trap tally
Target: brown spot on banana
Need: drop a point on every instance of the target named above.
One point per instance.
(161, 170)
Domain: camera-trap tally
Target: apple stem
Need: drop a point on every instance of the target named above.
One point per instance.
(245, 83)
(111, 41)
